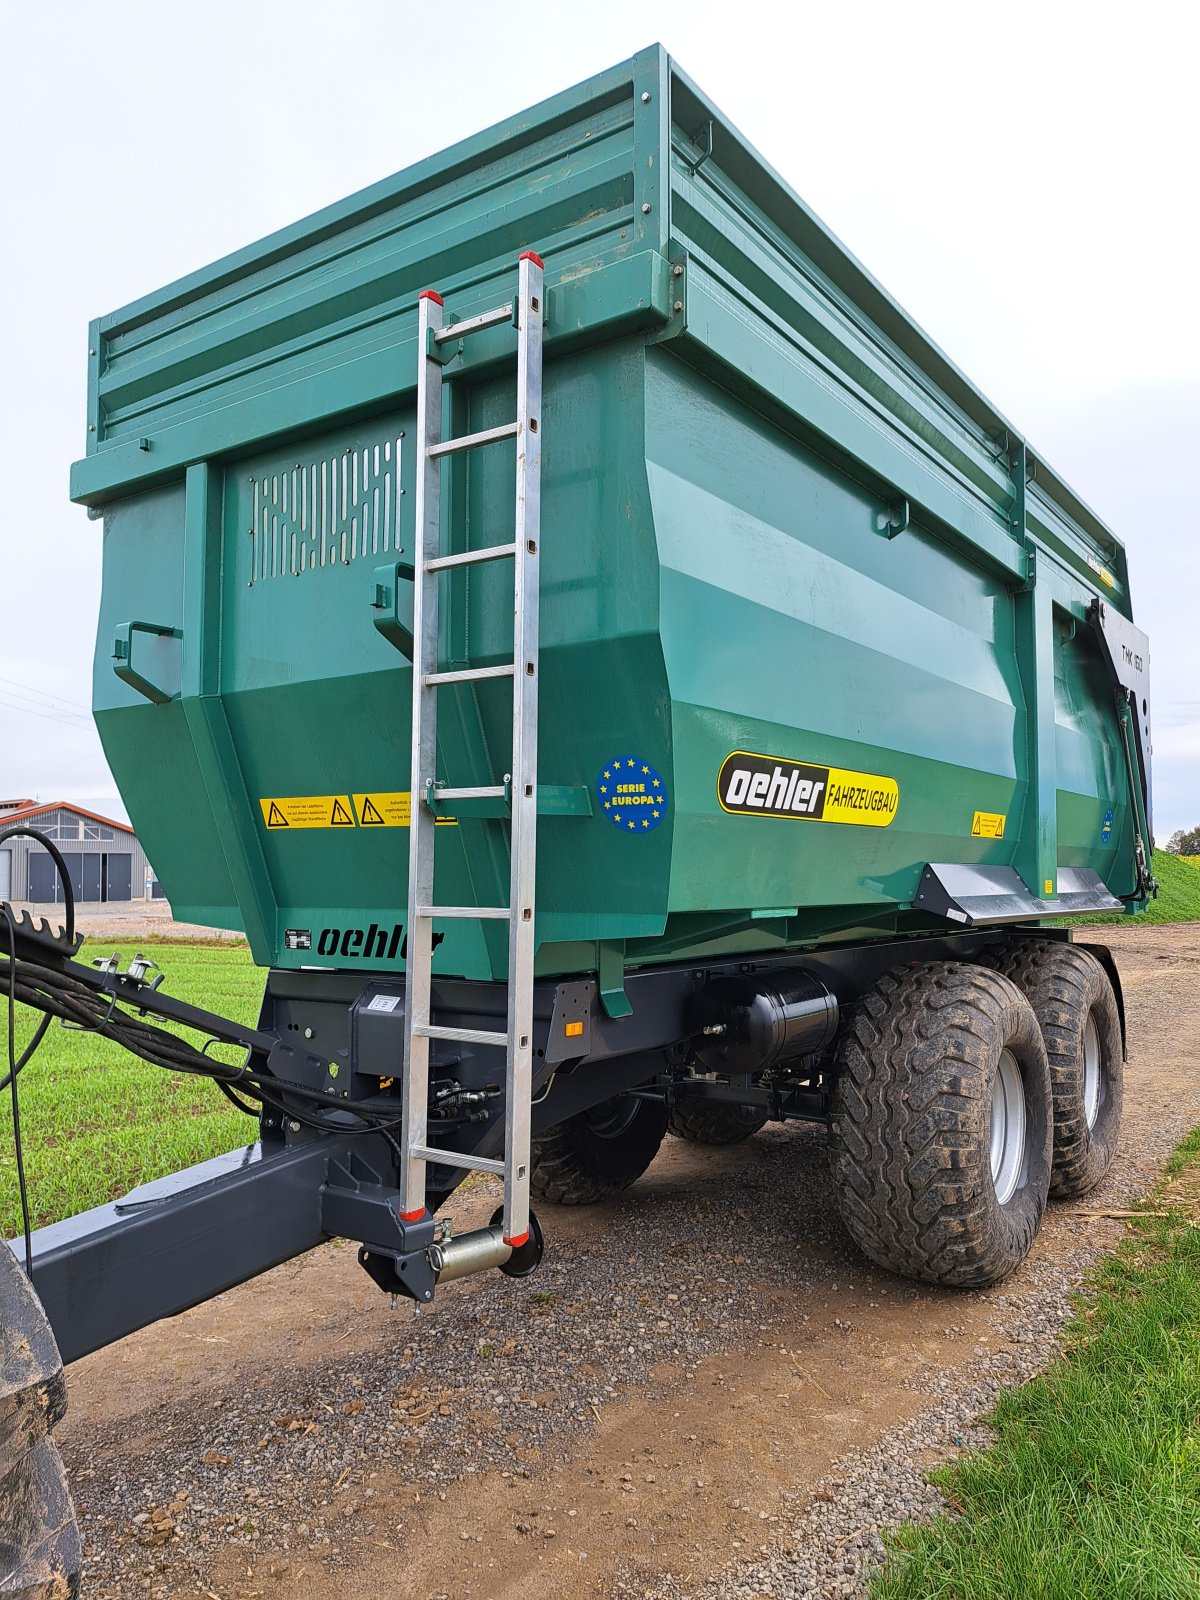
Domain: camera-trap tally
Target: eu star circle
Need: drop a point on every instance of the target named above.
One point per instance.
(632, 795)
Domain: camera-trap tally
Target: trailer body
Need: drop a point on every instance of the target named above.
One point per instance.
(828, 652)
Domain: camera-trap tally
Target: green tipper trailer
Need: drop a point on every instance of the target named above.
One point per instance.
(776, 520)
(736, 766)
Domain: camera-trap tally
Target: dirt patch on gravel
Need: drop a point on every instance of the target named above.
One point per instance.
(706, 1390)
(151, 920)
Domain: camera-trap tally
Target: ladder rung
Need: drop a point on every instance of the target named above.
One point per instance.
(491, 552)
(485, 319)
(434, 1030)
(468, 675)
(452, 1158)
(488, 791)
(492, 913)
(472, 441)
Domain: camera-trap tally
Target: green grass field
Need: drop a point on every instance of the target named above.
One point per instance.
(1092, 1491)
(96, 1121)
(1178, 892)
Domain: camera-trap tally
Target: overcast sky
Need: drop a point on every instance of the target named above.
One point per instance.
(1022, 178)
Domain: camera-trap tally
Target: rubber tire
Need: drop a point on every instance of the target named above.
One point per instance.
(910, 1131)
(574, 1165)
(40, 1550)
(715, 1122)
(1065, 985)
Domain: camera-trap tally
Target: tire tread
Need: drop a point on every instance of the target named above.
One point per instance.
(1063, 984)
(911, 1113)
(40, 1552)
(571, 1166)
(713, 1122)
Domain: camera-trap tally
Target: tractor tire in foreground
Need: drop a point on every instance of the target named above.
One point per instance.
(942, 1129)
(1081, 1026)
(713, 1122)
(597, 1153)
(40, 1553)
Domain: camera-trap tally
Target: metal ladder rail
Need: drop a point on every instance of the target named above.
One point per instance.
(427, 678)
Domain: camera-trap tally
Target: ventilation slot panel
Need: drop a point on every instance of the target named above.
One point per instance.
(325, 513)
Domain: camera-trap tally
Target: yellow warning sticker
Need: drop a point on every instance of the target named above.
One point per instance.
(384, 810)
(307, 811)
(393, 810)
(989, 824)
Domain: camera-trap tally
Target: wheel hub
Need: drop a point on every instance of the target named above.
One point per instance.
(611, 1118)
(1091, 1070)
(1007, 1127)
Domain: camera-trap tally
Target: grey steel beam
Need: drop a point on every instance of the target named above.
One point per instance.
(171, 1244)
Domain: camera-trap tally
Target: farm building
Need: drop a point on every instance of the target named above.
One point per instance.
(103, 856)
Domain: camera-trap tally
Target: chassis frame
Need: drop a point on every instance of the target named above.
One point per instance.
(175, 1242)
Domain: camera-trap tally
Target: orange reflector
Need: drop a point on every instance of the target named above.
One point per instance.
(522, 1238)
(574, 1030)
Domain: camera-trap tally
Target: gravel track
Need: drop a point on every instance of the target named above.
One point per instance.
(706, 1392)
(834, 1536)
(131, 919)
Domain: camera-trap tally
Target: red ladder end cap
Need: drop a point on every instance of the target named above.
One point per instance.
(522, 1238)
(529, 255)
(431, 294)
(412, 1216)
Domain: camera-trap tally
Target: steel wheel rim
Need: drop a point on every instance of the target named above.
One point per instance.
(1007, 1127)
(611, 1118)
(1091, 1071)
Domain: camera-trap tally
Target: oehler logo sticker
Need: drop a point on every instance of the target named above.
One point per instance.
(773, 786)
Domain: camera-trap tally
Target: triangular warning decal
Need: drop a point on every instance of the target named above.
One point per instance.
(368, 815)
(340, 817)
(276, 818)
(977, 828)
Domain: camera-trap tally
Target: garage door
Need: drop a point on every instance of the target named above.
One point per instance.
(5, 874)
(44, 887)
(89, 878)
(118, 877)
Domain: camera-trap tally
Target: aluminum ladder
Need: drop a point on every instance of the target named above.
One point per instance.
(520, 787)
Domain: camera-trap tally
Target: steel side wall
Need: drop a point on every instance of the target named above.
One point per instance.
(720, 586)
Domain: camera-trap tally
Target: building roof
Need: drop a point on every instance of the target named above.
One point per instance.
(16, 805)
(33, 808)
